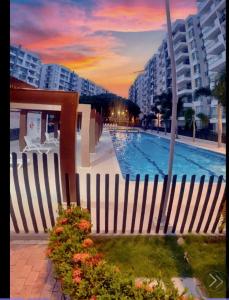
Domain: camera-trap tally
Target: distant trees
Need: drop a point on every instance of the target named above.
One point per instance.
(163, 106)
(108, 103)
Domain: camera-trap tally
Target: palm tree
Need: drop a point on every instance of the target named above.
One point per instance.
(189, 116)
(219, 92)
(202, 91)
(204, 119)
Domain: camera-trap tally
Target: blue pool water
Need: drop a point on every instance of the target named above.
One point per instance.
(142, 153)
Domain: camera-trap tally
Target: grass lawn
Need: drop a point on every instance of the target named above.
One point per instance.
(162, 257)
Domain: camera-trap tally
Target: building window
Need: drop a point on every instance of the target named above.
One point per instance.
(198, 82)
(196, 69)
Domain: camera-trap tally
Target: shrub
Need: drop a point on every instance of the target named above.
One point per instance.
(83, 272)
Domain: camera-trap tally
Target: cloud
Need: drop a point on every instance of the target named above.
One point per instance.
(81, 34)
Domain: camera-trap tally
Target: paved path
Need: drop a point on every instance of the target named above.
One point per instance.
(30, 273)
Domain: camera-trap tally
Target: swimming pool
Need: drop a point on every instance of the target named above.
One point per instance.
(144, 153)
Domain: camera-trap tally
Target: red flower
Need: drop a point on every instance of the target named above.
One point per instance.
(93, 297)
(59, 230)
(87, 243)
(80, 257)
(63, 221)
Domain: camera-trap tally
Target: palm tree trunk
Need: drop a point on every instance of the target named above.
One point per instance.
(219, 111)
(174, 108)
(194, 129)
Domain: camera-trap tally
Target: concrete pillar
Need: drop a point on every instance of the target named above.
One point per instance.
(43, 126)
(92, 131)
(85, 135)
(22, 129)
(96, 128)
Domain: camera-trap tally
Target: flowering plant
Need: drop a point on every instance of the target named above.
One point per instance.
(83, 272)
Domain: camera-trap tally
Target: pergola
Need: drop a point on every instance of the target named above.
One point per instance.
(25, 97)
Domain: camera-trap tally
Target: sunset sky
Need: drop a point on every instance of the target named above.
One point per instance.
(103, 40)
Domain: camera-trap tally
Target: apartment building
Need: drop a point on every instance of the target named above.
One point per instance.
(57, 77)
(25, 65)
(199, 50)
(212, 15)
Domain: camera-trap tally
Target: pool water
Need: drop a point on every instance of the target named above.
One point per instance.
(143, 153)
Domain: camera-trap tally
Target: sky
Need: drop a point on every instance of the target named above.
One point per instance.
(103, 40)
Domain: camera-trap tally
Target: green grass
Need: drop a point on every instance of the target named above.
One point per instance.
(162, 257)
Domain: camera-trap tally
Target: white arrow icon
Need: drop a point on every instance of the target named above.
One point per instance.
(215, 278)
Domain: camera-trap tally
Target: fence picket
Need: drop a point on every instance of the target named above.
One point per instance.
(155, 184)
(18, 192)
(77, 189)
(197, 202)
(13, 217)
(135, 202)
(144, 202)
(125, 202)
(106, 203)
(57, 178)
(97, 203)
(219, 212)
(67, 190)
(179, 203)
(211, 179)
(88, 184)
(116, 202)
(38, 189)
(170, 203)
(162, 203)
(46, 179)
(190, 193)
(216, 196)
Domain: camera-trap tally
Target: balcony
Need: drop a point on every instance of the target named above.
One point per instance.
(219, 4)
(178, 35)
(183, 78)
(184, 91)
(208, 18)
(180, 45)
(215, 47)
(217, 63)
(212, 31)
(182, 67)
(183, 56)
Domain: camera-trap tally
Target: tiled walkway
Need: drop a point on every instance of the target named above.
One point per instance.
(30, 273)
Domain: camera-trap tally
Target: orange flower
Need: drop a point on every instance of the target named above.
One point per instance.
(77, 273)
(80, 257)
(149, 288)
(59, 230)
(77, 279)
(68, 211)
(93, 297)
(94, 260)
(84, 225)
(138, 285)
(63, 221)
(87, 243)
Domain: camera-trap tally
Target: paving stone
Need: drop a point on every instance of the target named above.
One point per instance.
(192, 284)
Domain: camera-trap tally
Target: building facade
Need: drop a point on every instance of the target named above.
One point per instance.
(25, 65)
(199, 49)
